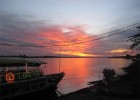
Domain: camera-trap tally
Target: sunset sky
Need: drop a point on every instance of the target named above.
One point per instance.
(68, 27)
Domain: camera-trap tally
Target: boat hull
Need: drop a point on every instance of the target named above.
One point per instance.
(30, 86)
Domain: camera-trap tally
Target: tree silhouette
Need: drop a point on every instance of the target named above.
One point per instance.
(135, 40)
(132, 76)
(109, 74)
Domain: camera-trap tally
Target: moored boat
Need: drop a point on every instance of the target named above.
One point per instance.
(21, 76)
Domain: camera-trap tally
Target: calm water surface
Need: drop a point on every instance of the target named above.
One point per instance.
(79, 71)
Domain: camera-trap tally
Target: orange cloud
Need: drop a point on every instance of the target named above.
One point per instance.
(118, 51)
(68, 39)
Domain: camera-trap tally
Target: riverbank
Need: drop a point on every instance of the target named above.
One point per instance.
(86, 94)
(124, 87)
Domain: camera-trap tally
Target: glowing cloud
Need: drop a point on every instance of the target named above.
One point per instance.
(78, 54)
(118, 51)
(44, 39)
(68, 39)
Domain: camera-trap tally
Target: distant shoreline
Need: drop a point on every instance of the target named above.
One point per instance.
(124, 57)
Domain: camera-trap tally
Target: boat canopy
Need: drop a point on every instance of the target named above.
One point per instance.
(14, 61)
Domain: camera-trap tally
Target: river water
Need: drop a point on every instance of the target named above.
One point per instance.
(79, 71)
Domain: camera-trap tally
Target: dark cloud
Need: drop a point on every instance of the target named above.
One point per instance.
(21, 32)
(115, 42)
(14, 27)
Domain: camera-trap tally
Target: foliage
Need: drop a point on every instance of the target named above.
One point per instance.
(132, 71)
(109, 74)
(132, 76)
(138, 56)
(128, 56)
(135, 40)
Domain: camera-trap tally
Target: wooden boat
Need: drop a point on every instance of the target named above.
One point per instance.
(20, 76)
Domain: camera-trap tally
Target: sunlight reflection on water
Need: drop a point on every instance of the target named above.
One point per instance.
(79, 71)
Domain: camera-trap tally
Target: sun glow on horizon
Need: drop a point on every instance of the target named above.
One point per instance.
(71, 53)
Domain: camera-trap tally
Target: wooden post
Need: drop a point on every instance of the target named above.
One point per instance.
(26, 67)
(30, 86)
(10, 93)
(6, 70)
(59, 60)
